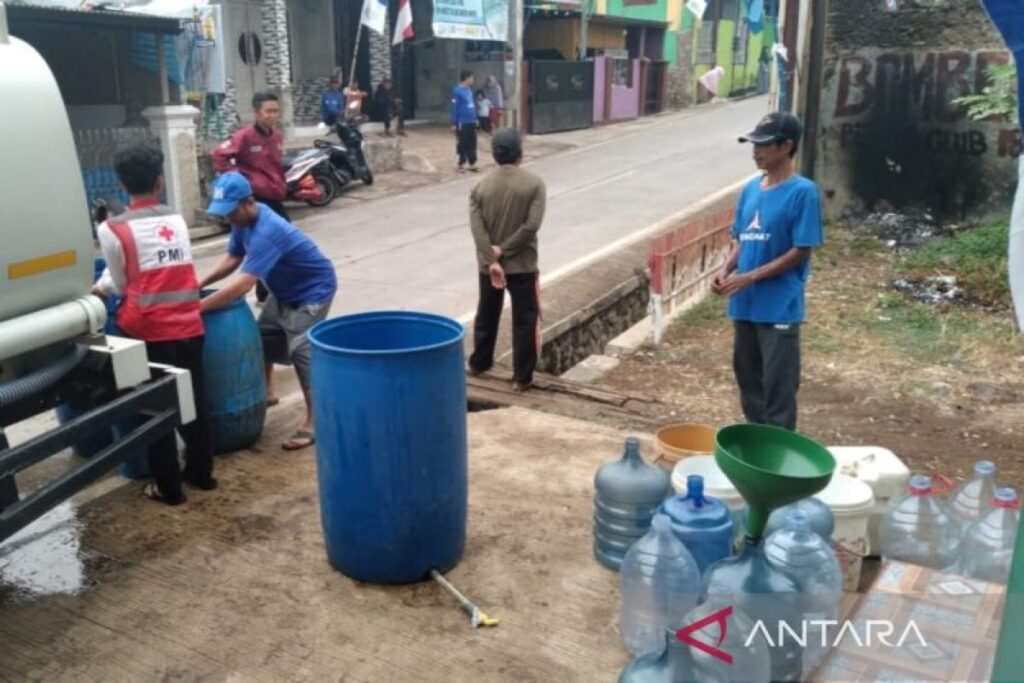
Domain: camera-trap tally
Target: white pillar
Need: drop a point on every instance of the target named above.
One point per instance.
(175, 125)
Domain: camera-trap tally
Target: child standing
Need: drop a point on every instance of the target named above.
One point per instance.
(483, 111)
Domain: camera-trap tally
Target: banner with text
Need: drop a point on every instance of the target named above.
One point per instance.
(471, 19)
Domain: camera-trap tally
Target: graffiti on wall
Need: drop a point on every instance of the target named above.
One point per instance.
(920, 89)
(903, 138)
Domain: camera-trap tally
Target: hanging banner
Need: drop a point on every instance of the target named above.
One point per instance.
(471, 19)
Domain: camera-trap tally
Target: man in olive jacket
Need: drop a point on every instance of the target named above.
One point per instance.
(506, 210)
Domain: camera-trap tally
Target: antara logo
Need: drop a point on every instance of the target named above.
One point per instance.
(874, 631)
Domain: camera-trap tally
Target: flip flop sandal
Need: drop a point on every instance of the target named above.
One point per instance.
(299, 435)
(151, 492)
(271, 402)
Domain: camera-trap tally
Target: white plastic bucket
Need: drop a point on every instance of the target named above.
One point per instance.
(716, 485)
(880, 469)
(851, 502)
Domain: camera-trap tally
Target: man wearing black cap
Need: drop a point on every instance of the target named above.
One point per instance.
(778, 223)
(506, 209)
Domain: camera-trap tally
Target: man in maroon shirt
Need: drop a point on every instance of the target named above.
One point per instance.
(255, 151)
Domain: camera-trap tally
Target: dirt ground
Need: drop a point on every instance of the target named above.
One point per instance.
(235, 586)
(940, 388)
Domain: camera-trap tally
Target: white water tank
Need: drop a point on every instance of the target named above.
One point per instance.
(47, 251)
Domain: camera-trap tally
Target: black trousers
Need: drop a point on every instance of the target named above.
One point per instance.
(163, 455)
(466, 145)
(523, 288)
(766, 360)
(278, 208)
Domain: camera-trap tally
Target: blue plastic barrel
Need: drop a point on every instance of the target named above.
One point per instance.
(136, 465)
(389, 400)
(236, 389)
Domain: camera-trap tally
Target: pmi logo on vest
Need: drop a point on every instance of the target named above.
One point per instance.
(872, 633)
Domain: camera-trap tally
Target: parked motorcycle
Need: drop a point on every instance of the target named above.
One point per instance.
(318, 174)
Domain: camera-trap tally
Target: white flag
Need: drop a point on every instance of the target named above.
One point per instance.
(375, 15)
(697, 7)
(403, 26)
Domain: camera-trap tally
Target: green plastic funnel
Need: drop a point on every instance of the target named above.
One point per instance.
(771, 467)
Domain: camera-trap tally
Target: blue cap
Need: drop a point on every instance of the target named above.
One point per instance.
(228, 190)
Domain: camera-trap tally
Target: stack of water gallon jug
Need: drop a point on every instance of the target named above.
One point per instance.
(679, 573)
(972, 532)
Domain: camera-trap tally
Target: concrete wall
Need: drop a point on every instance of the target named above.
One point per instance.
(890, 136)
(311, 27)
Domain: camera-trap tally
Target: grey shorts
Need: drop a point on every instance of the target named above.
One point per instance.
(283, 329)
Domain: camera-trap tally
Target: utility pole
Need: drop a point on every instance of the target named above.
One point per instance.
(513, 94)
(584, 24)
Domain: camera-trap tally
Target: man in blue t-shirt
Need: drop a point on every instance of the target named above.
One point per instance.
(268, 249)
(464, 121)
(778, 223)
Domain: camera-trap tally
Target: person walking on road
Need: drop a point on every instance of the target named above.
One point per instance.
(301, 281)
(494, 93)
(464, 121)
(256, 152)
(777, 224)
(506, 211)
(149, 264)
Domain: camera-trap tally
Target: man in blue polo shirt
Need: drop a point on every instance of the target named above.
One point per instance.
(778, 223)
(267, 248)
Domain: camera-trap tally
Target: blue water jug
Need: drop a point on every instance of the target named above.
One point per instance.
(628, 492)
(819, 516)
(704, 525)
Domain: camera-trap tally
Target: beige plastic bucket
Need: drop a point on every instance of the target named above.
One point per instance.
(677, 441)
(851, 502)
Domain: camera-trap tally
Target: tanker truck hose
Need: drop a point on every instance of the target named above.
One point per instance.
(41, 379)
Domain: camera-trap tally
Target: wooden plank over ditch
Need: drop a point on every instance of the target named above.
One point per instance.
(557, 396)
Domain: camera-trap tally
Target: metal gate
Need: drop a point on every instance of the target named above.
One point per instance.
(561, 96)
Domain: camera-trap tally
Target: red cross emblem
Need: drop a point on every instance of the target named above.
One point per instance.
(166, 234)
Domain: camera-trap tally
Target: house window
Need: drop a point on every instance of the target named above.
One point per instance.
(622, 72)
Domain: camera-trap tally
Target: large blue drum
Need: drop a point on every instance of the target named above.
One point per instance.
(389, 400)
(236, 389)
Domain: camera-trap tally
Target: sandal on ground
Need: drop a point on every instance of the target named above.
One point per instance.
(299, 440)
(151, 491)
(271, 402)
(208, 484)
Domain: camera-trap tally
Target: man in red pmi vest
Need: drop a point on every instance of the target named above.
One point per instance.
(149, 264)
